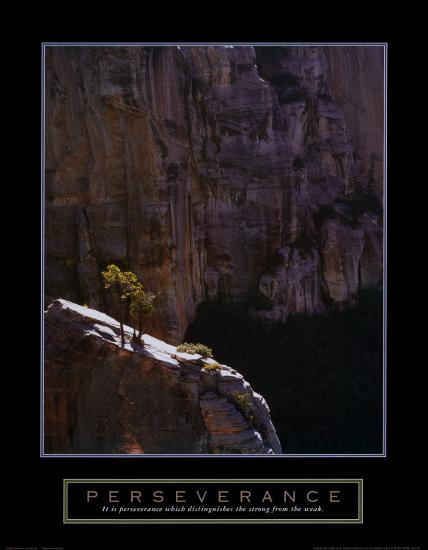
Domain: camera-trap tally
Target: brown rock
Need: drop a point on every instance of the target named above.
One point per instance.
(101, 398)
(355, 77)
(193, 166)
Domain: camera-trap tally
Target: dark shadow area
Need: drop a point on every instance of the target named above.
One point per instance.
(321, 375)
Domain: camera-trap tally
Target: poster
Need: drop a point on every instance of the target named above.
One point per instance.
(213, 302)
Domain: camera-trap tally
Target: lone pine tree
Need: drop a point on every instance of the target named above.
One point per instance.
(141, 305)
(129, 291)
(121, 284)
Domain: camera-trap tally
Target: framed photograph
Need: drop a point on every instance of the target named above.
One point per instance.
(214, 343)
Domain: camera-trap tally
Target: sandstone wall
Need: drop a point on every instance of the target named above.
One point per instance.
(214, 173)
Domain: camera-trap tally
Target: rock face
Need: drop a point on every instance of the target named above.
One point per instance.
(101, 398)
(355, 78)
(215, 173)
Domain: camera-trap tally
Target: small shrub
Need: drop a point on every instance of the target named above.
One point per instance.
(212, 366)
(243, 400)
(196, 349)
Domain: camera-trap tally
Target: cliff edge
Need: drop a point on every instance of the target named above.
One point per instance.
(102, 398)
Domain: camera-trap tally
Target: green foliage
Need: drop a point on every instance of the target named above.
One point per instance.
(141, 300)
(212, 366)
(141, 304)
(196, 349)
(243, 400)
(121, 283)
(130, 292)
(321, 375)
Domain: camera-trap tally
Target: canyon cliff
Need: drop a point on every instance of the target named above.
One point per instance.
(228, 174)
(104, 398)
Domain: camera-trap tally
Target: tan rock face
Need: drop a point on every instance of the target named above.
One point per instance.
(101, 398)
(194, 166)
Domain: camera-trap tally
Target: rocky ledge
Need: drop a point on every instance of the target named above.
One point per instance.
(139, 399)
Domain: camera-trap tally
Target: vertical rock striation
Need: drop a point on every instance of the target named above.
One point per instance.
(215, 173)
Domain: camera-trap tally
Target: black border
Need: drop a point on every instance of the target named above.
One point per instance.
(394, 515)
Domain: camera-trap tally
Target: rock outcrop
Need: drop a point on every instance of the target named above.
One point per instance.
(151, 399)
(215, 173)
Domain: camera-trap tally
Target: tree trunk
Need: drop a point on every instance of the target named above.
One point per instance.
(122, 333)
(140, 324)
